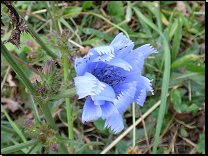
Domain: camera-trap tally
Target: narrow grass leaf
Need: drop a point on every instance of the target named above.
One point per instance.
(37, 117)
(176, 41)
(128, 11)
(18, 131)
(16, 143)
(185, 21)
(166, 76)
(18, 147)
(88, 144)
(158, 14)
(98, 33)
(35, 148)
(184, 60)
(63, 21)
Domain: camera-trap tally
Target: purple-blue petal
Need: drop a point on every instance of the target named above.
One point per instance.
(140, 95)
(125, 96)
(91, 111)
(115, 122)
(88, 85)
(107, 94)
(108, 109)
(118, 62)
(122, 45)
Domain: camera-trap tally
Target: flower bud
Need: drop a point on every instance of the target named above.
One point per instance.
(41, 90)
(29, 43)
(28, 123)
(53, 146)
(49, 67)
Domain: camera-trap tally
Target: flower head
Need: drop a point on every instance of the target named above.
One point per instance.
(111, 77)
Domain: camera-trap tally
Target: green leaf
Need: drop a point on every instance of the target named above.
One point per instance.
(196, 68)
(62, 20)
(71, 10)
(100, 124)
(201, 144)
(89, 144)
(98, 33)
(183, 132)
(116, 8)
(176, 40)
(87, 4)
(14, 126)
(93, 42)
(128, 11)
(184, 60)
(18, 147)
(176, 99)
(161, 150)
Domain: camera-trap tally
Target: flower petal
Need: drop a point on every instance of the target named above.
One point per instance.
(107, 94)
(125, 97)
(101, 53)
(142, 87)
(147, 83)
(146, 49)
(108, 109)
(90, 111)
(88, 85)
(80, 66)
(115, 61)
(137, 56)
(122, 45)
(140, 96)
(115, 122)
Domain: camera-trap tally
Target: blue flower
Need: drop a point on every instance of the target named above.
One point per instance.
(111, 78)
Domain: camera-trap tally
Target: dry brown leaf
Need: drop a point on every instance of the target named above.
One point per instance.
(181, 6)
(133, 150)
(84, 51)
(10, 81)
(10, 104)
(34, 77)
(185, 115)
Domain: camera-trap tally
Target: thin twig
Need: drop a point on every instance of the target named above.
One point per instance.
(130, 128)
(5, 77)
(172, 142)
(145, 130)
(25, 64)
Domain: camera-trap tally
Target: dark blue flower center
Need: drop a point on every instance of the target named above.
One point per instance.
(109, 75)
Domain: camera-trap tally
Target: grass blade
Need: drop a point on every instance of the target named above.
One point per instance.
(176, 41)
(166, 77)
(18, 131)
(18, 147)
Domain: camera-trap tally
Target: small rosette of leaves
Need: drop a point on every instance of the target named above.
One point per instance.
(43, 132)
(48, 85)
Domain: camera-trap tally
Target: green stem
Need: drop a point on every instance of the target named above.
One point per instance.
(37, 38)
(134, 128)
(68, 107)
(20, 146)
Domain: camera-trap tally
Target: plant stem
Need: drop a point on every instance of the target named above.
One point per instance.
(134, 128)
(68, 107)
(20, 146)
